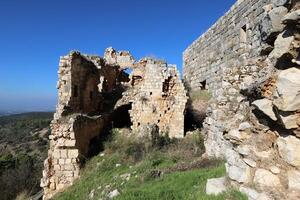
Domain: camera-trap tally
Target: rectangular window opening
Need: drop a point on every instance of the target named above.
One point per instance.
(243, 34)
(203, 85)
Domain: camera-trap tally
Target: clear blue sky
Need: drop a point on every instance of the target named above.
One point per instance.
(34, 33)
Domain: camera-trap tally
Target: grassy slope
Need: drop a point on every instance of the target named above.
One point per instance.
(101, 176)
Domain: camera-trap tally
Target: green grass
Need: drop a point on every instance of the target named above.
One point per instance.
(101, 176)
(204, 95)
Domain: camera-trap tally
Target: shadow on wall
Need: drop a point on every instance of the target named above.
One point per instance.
(196, 108)
(119, 119)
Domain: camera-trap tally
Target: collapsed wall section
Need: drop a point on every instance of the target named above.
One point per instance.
(249, 61)
(77, 86)
(160, 100)
(69, 144)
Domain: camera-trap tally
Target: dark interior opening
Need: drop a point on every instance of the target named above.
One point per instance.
(135, 79)
(121, 117)
(285, 62)
(193, 119)
(110, 99)
(166, 85)
(203, 85)
(94, 146)
(75, 91)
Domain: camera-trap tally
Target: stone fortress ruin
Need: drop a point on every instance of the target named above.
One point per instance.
(248, 60)
(96, 94)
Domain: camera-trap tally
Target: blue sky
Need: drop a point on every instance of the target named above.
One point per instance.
(34, 33)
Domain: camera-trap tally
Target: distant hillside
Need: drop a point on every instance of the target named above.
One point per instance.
(23, 147)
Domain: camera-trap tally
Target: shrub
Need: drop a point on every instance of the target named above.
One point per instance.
(204, 95)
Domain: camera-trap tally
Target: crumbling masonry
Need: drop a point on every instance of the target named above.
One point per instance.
(94, 93)
(249, 60)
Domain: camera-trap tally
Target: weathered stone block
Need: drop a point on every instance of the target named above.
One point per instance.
(216, 186)
(289, 149)
(294, 180)
(264, 178)
(271, 24)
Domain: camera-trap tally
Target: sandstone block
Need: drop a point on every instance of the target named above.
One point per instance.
(236, 135)
(73, 153)
(266, 106)
(56, 153)
(274, 170)
(292, 17)
(61, 161)
(271, 23)
(288, 87)
(216, 186)
(243, 150)
(239, 174)
(264, 178)
(289, 149)
(52, 186)
(63, 153)
(68, 167)
(290, 120)
(244, 126)
(294, 179)
(282, 45)
(70, 143)
(250, 162)
(113, 194)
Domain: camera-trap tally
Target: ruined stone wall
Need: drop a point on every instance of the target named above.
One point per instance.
(77, 86)
(234, 37)
(250, 61)
(160, 100)
(69, 144)
(79, 117)
(94, 93)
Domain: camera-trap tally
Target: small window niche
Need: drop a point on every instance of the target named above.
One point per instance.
(203, 85)
(243, 35)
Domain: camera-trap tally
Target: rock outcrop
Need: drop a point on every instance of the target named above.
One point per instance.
(249, 60)
(96, 94)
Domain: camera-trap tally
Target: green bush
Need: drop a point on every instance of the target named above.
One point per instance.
(203, 95)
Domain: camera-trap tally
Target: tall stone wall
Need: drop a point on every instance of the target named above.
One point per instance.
(232, 39)
(249, 61)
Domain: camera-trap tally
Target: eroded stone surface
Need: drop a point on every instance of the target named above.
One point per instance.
(216, 186)
(266, 106)
(289, 149)
(264, 178)
(288, 87)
